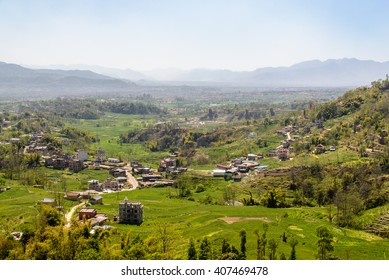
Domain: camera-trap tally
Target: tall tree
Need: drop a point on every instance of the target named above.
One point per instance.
(243, 240)
(205, 249)
(261, 242)
(192, 253)
(272, 245)
(293, 243)
(324, 243)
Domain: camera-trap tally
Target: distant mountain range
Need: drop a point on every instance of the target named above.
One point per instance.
(22, 81)
(84, 79)
(330, 73)
(347, 72)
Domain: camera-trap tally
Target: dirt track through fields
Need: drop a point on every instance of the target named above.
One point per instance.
(231, 220)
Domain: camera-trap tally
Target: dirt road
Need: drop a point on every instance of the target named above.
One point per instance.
(68, 216)
(131, 179)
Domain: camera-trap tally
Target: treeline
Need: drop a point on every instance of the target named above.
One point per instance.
(89, 108)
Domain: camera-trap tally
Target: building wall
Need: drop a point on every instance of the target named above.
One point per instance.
(130, 212)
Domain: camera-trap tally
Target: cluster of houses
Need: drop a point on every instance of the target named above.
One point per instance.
(238, 168)
(150, 178)
(110, 184)
(154, 180)
(97, 219)
(283, 151)
(53, 156)
(129, 213)
(169, 165)
(92, 196)
(57, 159)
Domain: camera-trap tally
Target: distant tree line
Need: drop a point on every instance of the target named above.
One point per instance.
(89, 108)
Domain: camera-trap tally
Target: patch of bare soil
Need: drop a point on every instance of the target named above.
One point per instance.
(231, 220)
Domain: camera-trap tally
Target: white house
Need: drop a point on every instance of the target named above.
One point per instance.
(82, 155)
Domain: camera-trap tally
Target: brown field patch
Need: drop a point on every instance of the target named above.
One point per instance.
(231, 220)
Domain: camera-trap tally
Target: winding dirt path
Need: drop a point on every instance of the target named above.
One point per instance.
(68, 216)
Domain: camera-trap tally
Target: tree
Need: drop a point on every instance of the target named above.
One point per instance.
(293, 243)
(183, 184)
(32, 160)
(167, 237)
(49, 216)
(192, 254)
(228, 252)
(137, 250)
(273, 198)
(272, 245)
(243, 240)
(261, 242)
(348, 204)
(324, 243)
(229, 195)
(205, 249)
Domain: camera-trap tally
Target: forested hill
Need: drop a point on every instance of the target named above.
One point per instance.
(89, 108)
(359, 119)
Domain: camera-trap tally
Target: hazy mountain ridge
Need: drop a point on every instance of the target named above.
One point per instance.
(347, 72)
(330, 73)
(15, 79)
(116, 73)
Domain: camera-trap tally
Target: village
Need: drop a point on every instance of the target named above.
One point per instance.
(122, 178)
(239, 168)
(134, 175)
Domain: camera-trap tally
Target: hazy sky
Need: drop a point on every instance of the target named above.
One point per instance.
(227, 34)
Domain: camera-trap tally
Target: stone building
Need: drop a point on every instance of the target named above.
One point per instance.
(130, 212)
(100, 155)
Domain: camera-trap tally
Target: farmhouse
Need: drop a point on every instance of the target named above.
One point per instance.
(167, 163)
(100, 155)
(118, 172)
(114, 160)
(88, 213)
(218, 173)
(151, 177)
(48, 201)
(73, 196)
(111, 183)
(320, 149)
(82, 155)
(252, 157)
(130, 212)
(76, 165)
(121, 180)
(97, 199)
(95, 185)
(99, 219)
(60, 163)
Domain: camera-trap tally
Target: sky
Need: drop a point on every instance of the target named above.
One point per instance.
(239, 35)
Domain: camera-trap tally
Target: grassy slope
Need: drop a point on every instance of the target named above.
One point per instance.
(196, 220)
